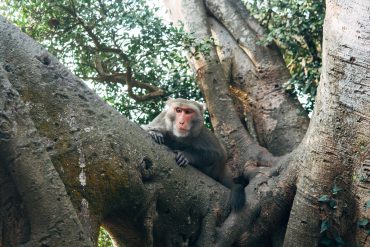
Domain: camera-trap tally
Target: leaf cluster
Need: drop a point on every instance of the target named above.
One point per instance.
(330, 206)
(131, 55)
(104, 239)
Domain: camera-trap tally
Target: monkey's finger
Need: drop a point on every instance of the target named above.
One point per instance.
(157, 136)
(156, 139)
(185, 163)
(181, 160)
(160, 139)
(181, 163)
(178, 158)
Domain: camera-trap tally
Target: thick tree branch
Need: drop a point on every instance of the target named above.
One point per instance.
(214, 85)
(36, 179)
(339, 122)
(112, 170)
(277, 124)
(269, 197)
(234, 21)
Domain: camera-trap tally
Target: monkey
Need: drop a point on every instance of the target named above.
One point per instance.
(180, 126)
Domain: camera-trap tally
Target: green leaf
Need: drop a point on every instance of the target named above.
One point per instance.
(324, 198)
(325, 224)
(336, 189)
(363, 222)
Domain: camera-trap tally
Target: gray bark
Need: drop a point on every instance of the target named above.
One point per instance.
(321, 162)
(338, 136)
(93, 167)
(113, 173)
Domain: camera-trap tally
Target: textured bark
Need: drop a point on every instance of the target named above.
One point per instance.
(238, 61)
(113, 173)
(35, 178)
(337, 143)
(70, 163)
(255, 74)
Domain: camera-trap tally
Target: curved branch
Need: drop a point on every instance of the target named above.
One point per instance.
(125, 78)
(105, 75)
(154, 92)
(272, 112)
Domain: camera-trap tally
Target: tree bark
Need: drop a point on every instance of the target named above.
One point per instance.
(113, 173)
(70, 163)
(338, 136)
(258, 73)
(30, 168)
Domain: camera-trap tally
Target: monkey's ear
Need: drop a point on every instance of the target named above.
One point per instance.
(169, 102)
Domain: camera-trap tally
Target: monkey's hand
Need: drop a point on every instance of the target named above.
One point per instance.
(157, 136)
(181, 160)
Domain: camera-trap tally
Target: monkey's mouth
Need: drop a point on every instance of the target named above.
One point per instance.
(181, 132)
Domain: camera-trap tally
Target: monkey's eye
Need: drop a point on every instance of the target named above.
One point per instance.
(178, 109)
(188, 111)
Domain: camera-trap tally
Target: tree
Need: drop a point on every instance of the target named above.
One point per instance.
(122, 47)
(296, 26)
(308, 186)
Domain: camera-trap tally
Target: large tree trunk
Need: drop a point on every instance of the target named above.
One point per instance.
(328, 157)
(70, 163)
(337, 142)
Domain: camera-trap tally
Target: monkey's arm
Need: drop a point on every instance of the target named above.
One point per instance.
(203, 159)
(157, 128)
(204, 152)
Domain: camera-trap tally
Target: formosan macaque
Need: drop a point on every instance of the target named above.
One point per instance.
(180, 126)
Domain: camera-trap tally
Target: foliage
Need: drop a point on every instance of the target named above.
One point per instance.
(296, 27)
(104, 238)
(121, 46)
(329, 207)
(86, 35)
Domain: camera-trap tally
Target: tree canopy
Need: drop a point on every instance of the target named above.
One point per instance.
(135, 58)
(128, 52)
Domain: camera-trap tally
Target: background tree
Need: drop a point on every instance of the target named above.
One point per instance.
(154, 50)
(130, 55)
(136, 190)
(296, 27)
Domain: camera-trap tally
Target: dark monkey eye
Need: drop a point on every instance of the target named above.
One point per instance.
(188, 111)
(178, 109)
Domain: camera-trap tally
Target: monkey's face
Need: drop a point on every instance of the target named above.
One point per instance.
(185, 117)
